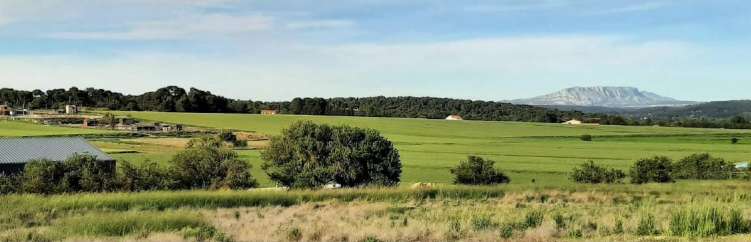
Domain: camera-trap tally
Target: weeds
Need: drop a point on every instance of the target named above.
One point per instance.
(704, 222)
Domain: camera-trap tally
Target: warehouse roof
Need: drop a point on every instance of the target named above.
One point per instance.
(22, 150)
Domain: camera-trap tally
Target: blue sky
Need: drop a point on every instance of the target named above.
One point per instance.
(276, 50)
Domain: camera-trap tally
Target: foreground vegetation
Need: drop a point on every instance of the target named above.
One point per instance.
(711, 210)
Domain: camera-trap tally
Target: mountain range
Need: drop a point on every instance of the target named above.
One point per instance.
(601, 96)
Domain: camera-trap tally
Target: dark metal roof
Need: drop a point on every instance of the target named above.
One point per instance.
(22, 150)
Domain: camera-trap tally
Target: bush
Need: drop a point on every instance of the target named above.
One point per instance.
(734, 140)
(227, 136)
(83, 173)
(702, 167)
(144, 178)
(309, 155)
(237, 175)
(655, 169)
(586, 137)
(42, 176)
(478, 171)
(594, 174)
(80, 173)
(207, 164)
(9, 184)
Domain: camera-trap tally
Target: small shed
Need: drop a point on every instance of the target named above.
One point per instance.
(573, 122)
(742, 166)
(454, 117)
(71, 109)
(16, 152)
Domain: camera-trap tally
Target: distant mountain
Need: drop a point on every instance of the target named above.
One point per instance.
(609, 97)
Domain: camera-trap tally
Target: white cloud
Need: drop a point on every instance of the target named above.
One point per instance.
(493, 68)
(320, 24)
(178, 28)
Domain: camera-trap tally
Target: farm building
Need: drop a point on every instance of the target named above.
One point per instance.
(573, 122)
(454, 117)
(16, 152)
(269, 112)
(71, 109)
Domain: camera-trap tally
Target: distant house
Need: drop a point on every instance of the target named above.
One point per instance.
(742, 166)
(573, 122)
(269, 112)
(71, 109)
(454, 117)
(16, 152)
(5, 110)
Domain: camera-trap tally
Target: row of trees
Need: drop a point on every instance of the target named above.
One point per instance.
(306, 155)
(176, 99)
(205, 164)
(658, 169)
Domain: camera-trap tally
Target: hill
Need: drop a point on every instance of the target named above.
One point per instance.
(619, 97)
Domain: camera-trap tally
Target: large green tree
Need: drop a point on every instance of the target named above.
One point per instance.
(309, 155)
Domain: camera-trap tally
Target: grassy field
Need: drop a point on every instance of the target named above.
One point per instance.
(526, 151)
(550, 209)
(24, 129)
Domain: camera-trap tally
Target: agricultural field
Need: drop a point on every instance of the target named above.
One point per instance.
(540, 204)
(544, 153)
(23, 129)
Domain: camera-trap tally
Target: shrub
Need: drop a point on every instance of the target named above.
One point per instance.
(309, 155)
(734, 140)
(42, 176)
(207, 164)
(9, 184)
(702, 166)
(594, 174)
(148, 176)
(586, 137)
(84, 173)
(227, 136)
(79, 173)
(478, 171)
(237, 175)
(655, 169)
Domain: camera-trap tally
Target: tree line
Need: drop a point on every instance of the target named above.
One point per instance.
(177, 99)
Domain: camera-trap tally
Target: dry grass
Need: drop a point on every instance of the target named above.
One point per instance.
(587, 216)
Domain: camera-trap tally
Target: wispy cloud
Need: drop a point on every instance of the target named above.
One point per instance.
(320, 24)
(637, 7)
(515, 6)
(182, 27)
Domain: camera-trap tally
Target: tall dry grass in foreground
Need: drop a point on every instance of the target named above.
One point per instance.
(718, 211)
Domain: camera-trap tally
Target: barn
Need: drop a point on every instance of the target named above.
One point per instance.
(16, 152)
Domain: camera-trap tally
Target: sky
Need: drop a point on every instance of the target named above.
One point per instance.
(279, 49)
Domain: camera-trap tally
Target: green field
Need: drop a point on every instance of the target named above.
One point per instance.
(527, 151)
(23, 129)
(550, 209)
